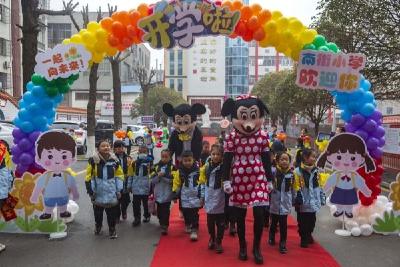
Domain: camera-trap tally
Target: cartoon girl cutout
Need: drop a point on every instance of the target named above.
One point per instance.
(346, 153)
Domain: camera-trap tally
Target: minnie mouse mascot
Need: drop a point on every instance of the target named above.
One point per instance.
(248, 178)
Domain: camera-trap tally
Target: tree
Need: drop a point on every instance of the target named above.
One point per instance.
(93, 78)
(32, 25)
(144, 77)
(371, 28)
(156, 98)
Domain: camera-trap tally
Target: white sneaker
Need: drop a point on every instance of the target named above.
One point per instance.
(193, 236)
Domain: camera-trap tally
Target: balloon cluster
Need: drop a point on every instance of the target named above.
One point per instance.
(319, 43)
(54, 87)
(95, 40)
(36, 109)
(122, 27)
(23, 151)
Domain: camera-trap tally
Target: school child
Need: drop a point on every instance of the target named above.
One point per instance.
(309, 196)
(104, 182)
(162, 182)
(210, 176)
(6, 178)
(126, 164)
(205, 153)
(299, 149)
(149, 142)
(187, 183)
(281, 199)
(139, 185)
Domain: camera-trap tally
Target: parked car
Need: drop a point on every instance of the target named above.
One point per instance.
(6, 133)
(138, 133)
(104, 130)
(77, 130)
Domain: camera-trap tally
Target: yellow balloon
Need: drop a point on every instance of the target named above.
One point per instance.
(287, 36)
(276, 15)
(307, 36)
(101, 34)
(111, 51)
(93, 26)
(282, 23)
(270, 27)
(66, 41)
(264, 43)
(295, 54)
(323, 178)
(76, 39)
(295, 25)
(97, 57)
(88, 38)
(274, 39)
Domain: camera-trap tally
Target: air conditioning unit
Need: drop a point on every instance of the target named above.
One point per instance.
(6, 65)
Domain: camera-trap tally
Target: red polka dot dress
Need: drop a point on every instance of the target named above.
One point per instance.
(249, 182)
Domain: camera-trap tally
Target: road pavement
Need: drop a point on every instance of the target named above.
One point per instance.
(135, 246)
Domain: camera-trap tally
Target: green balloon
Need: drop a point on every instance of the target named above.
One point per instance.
(37, 79)
(63, 89)
(51, 91)
(333, 47)
(319, 40)
(323, 48)
(309, 46)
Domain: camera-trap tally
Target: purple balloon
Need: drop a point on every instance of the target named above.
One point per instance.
(370, 126)
(382, 141)
(26, 159)
(350, 128)
(357, 120)
(21, 169)
(18, 134)
(376, 116)
(379, 132)
(372, 143)
(16, 151)
(376, 153)
(25, 144)
(363, 134)
(34, 136)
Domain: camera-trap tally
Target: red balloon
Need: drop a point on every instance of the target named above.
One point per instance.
(218, 3)
(134, 16)
(118, 29)
(248, 36)
(127, 42)
(131, 31)
(113, 41)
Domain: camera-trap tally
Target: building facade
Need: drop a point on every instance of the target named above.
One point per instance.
(5, 46)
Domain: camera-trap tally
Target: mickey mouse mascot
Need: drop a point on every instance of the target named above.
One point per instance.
(247, 167)
(186, 136)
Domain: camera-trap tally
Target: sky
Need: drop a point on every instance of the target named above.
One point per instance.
(301, 9)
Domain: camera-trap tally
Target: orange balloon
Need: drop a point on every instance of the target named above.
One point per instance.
(264, 16)
(248, 36)
(256, 8)
(237, 5)
(131, 31)
(118, 29)
(113, 41)
(127, 41)
(253, 24)
(124, 18)
(143, 9)
(259, 34)
(241, 28)
(245, 13)
(227, 4)
(106, 23)
(121, 47)
(134, 17)
(233, 35)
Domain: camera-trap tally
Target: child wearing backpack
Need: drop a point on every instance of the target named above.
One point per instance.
(139, 185)
(104, 183)
(6, 178)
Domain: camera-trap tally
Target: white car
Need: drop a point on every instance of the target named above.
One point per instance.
(6, 134)
(76, 130)
(138, 133)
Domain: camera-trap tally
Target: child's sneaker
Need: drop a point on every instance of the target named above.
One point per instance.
(113, 234)
(146, 219)
(97, 230)
(218, 248)
(136, 223)
(188, 229)
(193, 236)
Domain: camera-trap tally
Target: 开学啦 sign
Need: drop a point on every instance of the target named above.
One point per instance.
(179, 23)
(62, 61)
(330, 71)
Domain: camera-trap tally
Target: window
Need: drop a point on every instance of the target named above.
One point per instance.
(171, 62)
(180, 85)
(389, 111)
(57, 32)
(180, 62)
(4, 14)
(5, 47)
(172, 84)
(85, 96)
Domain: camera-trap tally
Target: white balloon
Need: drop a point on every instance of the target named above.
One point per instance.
(73, 207)
(366, 230)
(361, 220)
(350, 224)
(355, 231)
(383, 199)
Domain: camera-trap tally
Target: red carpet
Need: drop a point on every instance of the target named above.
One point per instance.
(176, 249)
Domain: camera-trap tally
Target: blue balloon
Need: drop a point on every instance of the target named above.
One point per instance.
(50, 121)
(39, 122)
(29, 86)
(44, 128)
(367, 110)
(35, 109)
(24, 114)
(341, 98)
(27, 127)
(368, 97)
(365, 85)
(356, 95)
(354, 106)
(346, 115)
(46, 104)
(38, 91)
(28, 98)
(17, 122)
(51, 113)
(58, 98)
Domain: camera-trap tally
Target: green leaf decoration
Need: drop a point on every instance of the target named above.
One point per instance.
(20, 222)
(49, 226)
(34, 224)
(2, 225)
(389, 223)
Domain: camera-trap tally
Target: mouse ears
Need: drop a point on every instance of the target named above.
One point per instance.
(168, 109)
(198, 109)
(228, 108)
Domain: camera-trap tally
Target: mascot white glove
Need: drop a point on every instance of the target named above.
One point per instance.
(270, 187)
(228, 187)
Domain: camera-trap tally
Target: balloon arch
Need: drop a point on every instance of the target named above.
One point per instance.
(167, 24)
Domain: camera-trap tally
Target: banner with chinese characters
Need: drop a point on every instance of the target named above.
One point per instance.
(330, 71)
(62, 61)
(179, 23)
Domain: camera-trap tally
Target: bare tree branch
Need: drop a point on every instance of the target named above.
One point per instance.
(68, 9)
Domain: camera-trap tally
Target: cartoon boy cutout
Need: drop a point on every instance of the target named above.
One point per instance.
(346, 153)
(55, 152)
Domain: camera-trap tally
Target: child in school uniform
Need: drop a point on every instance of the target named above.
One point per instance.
(6, 178)
(309, 196)
(104, 183)
(139, 185)
(126, 164)
(187, 183)
(281, 199)
(162, 182)
(211, 176)
(205, 153)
